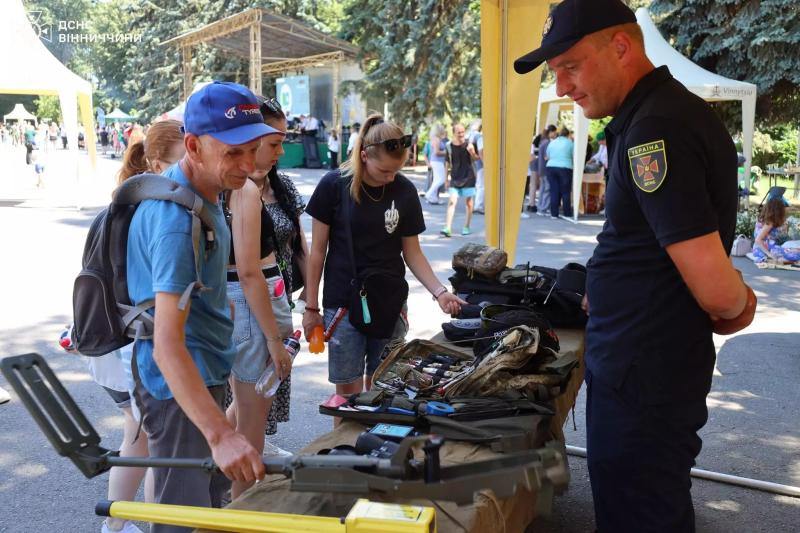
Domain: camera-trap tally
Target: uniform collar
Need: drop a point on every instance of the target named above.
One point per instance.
(642, 88)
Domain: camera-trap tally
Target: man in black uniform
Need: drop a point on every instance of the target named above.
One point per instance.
(660, 280)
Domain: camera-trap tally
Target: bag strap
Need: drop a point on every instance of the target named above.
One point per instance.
(155, 187)
(344, 202)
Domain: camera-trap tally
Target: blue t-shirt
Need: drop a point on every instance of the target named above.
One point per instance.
(559, 152)
(160, 259)
(439, 158)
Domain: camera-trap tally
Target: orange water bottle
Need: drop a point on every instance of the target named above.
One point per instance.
(316, 344)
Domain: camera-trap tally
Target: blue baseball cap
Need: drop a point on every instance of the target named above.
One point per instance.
(569, 22)
(229, 112)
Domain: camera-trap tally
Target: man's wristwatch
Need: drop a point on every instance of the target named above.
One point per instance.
(438, 292)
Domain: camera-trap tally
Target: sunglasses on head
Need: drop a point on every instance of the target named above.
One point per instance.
(272, 104)
(392, 145)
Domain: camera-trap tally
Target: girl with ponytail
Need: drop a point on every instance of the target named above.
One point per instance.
(385, 221)
(159, 150)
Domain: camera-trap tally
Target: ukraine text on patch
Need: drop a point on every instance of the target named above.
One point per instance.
(648, 165)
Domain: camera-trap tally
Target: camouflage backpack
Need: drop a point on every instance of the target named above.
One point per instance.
(487, 261)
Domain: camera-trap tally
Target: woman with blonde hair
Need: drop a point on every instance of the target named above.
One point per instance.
(437, 158)
(369, 214)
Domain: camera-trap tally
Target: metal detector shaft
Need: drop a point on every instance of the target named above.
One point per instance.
(161, 462)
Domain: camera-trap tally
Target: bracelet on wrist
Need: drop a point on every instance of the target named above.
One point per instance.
(438, 292)
(312, 309)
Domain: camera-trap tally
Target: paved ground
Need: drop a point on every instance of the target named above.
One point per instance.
(753, 429)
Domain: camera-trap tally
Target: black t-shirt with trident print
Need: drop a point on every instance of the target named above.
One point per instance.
(379, 221)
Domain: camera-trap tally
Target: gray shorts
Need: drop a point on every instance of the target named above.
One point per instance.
(252, 354)
(351, 354)
(170, 433)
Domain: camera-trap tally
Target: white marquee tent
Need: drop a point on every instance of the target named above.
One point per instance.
(32, 69)
(19, 113)
(705, 84)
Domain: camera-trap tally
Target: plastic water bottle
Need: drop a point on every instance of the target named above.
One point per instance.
(65, 339)
(267, 385)
(316, 344)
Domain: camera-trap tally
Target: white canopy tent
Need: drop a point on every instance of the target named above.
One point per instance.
(32, 69)
(176, 113)
(707, 85)
(118, 114)
(19, 113)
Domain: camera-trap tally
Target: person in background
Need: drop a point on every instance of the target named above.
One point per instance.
(533, 165)
(426, 156)
(768, 228)
(548, 134)
(38, 160)
(476, 140)
(333, 148)
(437, 158)
(385, 222)
(601, 156)
(559, 173)
(461, 156)
(351, 141)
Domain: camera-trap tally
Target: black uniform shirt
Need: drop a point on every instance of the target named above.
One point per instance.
(377, 229)
(672, 177)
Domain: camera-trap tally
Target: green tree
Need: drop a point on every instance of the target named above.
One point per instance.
(748, 40)
(422, 56)
(48, 107)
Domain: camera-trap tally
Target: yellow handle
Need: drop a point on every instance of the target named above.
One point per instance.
(223, 519)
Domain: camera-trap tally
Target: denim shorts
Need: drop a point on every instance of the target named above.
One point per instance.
(351, 354)
(252, 354)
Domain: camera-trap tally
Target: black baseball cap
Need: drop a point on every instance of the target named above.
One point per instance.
(569, 22)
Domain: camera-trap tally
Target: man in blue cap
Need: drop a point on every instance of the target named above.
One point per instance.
(660, 281)
(181, 372)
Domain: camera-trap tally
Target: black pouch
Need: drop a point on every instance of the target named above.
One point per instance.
(375, 303)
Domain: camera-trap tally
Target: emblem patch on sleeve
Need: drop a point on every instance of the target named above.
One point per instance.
(648, 165)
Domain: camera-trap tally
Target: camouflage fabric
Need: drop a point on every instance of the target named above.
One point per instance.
(480, 259)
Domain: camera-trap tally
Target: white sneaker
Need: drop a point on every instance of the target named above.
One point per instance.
(524, 215)
(129, 527)
(274, 451)
(4, 396)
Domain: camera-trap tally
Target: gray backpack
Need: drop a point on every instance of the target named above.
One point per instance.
(105, 318)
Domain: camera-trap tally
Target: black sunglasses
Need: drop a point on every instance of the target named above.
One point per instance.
(272, 104)
(392, 145)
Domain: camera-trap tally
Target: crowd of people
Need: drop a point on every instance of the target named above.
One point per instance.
(191, 390)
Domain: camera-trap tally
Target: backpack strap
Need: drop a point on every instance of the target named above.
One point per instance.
(156, 187)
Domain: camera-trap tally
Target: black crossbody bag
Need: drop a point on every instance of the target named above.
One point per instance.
(375, 296)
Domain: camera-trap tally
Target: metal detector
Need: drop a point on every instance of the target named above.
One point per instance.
(400, 476)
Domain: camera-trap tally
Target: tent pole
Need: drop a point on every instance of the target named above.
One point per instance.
(335, 109)
(501, 227)
(255, 55)
(187, 71)
(757, 484)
